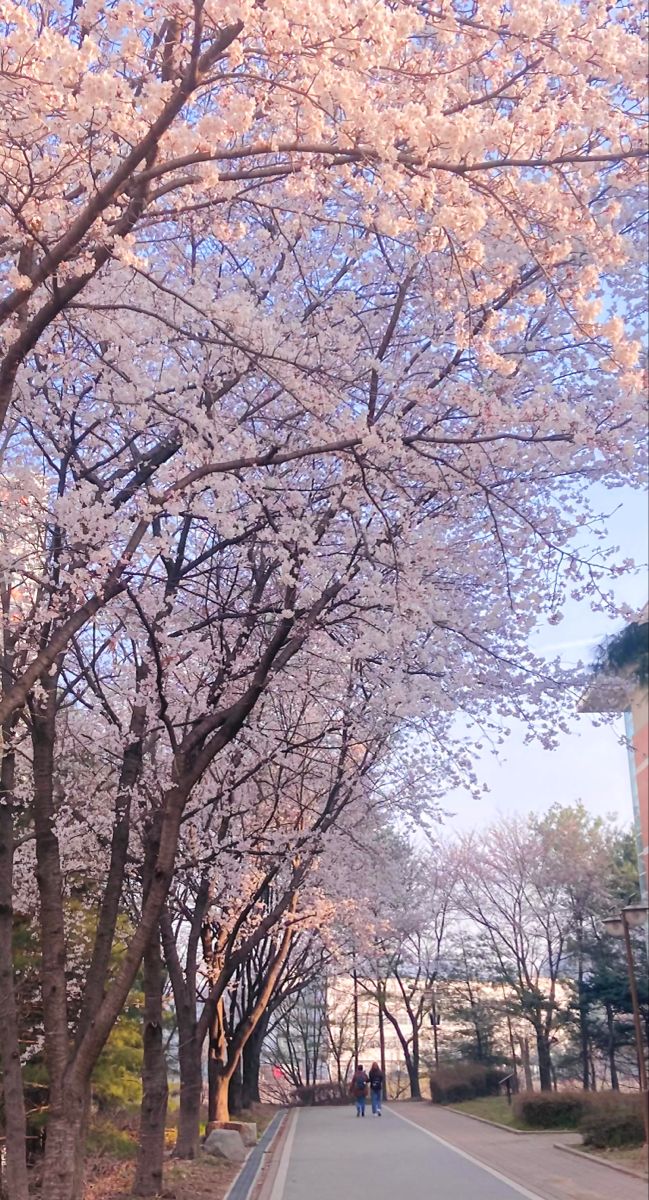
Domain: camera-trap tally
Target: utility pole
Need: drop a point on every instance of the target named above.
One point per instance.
(620, 926)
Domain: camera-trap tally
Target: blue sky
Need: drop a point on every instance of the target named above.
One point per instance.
(590, 764)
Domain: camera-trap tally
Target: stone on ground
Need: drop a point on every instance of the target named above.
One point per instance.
(226, 1143)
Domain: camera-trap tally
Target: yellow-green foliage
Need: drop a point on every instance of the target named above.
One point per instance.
(105, 1138)
(116, 1079)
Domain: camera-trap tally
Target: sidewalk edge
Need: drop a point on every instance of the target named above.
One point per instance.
(256, 1155)
(593, 1158)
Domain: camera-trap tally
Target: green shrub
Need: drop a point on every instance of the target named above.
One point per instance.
(106, 1138)
(551, 1110)
(612, 1120)
(464, 1081)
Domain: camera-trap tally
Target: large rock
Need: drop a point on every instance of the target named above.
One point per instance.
(225, 1143)
(247, 1129)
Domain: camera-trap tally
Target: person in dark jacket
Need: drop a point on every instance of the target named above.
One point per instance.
(376, 1088)
(358, 1089)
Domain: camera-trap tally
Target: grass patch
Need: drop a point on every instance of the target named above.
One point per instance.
(632, 1157)
(491, 1108)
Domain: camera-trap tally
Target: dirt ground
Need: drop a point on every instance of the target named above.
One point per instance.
(206, 1179)
(110, 1178)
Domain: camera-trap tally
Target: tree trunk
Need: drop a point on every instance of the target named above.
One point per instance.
(235, 1092)
(219, 1106)
(109, 907)
(515, 1082)
(525, 1059)
(610, 1024)
(148, 1176)
(191, 1088)
(583, 1016)
(545, 1059)
(411, 1059)
(69, 1100)
(15, 1121)
(251, 1064)
(217, 1074)
(413, 1064)
(190, 1040)
(65, 1145)
(593, 1072)
(384, 1089)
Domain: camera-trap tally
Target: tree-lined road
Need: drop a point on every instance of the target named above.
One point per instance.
(329, 1153)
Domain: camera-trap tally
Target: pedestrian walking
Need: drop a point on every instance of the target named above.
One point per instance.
(358, 1089)
(376, 1088)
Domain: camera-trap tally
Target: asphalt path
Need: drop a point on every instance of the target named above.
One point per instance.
(331, 1153)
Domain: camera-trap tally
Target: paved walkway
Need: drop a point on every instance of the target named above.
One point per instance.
(529, 1161)
(410, 1154)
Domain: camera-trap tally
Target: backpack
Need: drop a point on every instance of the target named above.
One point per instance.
(360, 1084)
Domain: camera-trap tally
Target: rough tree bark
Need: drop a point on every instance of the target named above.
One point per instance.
(148, 1175)
(191, 1087)
(69, 1101)
(190, 1039)
(251, 1064)
(109, 908)
(15, 1121)
(544, 1058)
(235, 1090)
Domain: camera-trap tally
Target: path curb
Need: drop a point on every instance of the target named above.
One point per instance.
(505, 1128)
(241, 1188)
(593, 1158)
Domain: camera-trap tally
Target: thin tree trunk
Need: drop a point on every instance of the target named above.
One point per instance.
(153, 1112)
(190, 1041)
(191, 1088)
(525, 1058)
(69, 1102)
(610, 1024)
(384, 1089)
(217, 1077)
(412, 1067)
(545, 1059)
(593, 1073)
(109, 908)
(583, 1015)
(251, 1065)
(148, 1176)
(235, 1093)
(413, 1078)
(15, 1121)
(516, 1084)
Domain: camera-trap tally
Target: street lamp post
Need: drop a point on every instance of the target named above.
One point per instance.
(620, 926)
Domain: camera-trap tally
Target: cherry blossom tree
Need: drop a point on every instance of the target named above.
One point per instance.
(411, 904)
(318, 324)
(519, 904)
(252, 855)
